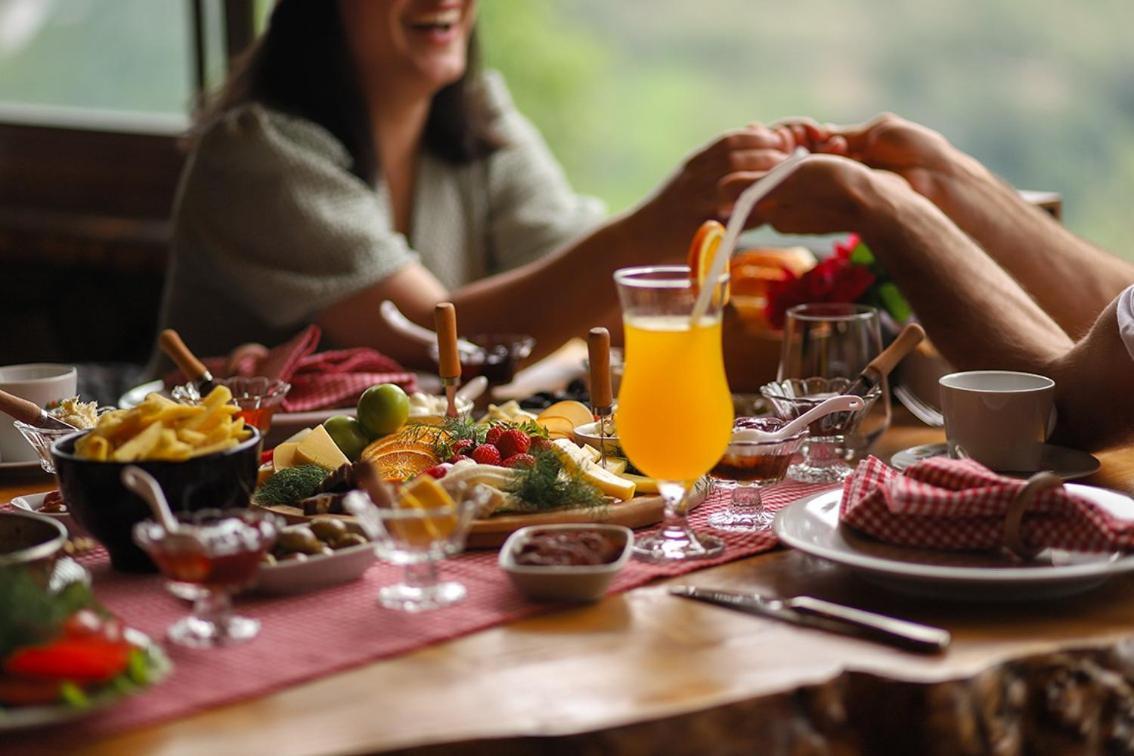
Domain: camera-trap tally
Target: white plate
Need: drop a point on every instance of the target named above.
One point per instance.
(811, 525)
(26, 717)
(317, 572)
(34, 503)
(1064, 461)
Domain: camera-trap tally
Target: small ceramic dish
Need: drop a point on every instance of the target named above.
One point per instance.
(564, 582)
(588, 434)
(34, 503)
(291, 576)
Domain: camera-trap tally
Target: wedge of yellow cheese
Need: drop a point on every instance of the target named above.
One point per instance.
(317, 448)
(283, 456)
(576, 459)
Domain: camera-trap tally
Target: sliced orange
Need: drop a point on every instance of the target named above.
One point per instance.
(415, 439)
(702, 250)
(398, 465)
(438, 512)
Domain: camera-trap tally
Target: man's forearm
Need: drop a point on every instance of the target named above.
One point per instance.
(976, 314)
(1070, 278)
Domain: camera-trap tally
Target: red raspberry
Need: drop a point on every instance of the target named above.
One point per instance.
(486, 454)
(520, 460)
(462, 446)
(539, 443)
(513, 442)
(457, 458)
(437, 471)
(493, 435)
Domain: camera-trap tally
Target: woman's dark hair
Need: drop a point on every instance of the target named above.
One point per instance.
(302, 65)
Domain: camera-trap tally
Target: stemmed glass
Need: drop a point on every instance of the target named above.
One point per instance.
(417, 538)
(218, 553)
(747, 467)
(674, 414)
(825, 346)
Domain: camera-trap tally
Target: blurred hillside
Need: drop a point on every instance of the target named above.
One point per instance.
(1042, 91)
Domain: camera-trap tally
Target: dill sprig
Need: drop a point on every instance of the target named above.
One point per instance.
(542, 485)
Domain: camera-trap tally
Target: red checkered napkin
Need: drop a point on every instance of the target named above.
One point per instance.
(954, 504)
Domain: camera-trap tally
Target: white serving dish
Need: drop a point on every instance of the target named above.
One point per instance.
(316, 572)
(563, 583)
(34, 503)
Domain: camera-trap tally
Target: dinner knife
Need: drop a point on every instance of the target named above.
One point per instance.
(807, 611)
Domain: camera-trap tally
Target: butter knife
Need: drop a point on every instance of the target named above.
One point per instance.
(807, 611)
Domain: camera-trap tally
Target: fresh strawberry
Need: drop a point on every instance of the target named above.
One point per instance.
(519, 460)
(493, 435)
(437, 471)
(458, 458)
(539, 443)
(513, 442)
(486, 454)
(461, 447)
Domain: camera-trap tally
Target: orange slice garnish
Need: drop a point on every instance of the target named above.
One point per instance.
(702, 250)
(398, 465)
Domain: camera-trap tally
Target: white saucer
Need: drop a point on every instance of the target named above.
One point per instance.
(1065, 462)
(811, 525)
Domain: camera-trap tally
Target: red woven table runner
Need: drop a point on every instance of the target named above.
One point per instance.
(351, 629)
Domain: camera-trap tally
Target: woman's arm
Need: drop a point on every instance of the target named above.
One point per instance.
(561, 294)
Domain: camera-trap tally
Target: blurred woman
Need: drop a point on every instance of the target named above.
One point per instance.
(359, 154)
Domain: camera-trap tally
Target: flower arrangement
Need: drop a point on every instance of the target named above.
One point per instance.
(850, 274)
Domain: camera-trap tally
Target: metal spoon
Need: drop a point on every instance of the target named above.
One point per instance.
(142, 483)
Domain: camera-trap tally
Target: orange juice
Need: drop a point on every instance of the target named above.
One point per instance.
(674, 414)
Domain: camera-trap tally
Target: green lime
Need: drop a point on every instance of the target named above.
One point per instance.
(382, 409)
(348, 435)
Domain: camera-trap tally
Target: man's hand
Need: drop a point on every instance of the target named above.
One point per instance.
(824, 194)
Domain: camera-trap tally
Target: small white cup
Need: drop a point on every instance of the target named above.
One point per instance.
(41, 383)
(1000, 418)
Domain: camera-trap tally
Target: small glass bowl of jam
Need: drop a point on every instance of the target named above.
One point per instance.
(219, 553)
(257, 397)
(748, 466)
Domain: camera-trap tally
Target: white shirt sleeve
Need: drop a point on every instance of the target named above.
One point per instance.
(1126, 319)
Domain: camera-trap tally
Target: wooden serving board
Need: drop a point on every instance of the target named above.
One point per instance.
(638, 512)
(635, 513)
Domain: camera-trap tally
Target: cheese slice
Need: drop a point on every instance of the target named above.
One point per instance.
(283, 455)
(317, 448)
(575, 458)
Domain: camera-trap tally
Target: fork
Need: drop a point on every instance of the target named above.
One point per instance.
(918, 407)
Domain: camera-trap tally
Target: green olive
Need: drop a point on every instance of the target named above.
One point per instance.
(327, 529)
(348, 540)
(298, 539)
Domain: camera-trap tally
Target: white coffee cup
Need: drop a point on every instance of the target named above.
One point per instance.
(41, 383)
(1000, 418)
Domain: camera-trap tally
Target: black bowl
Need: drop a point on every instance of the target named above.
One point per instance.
(108, 510)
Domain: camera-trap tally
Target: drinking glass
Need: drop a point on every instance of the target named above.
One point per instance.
(217, 552)
(418, 538)
(674, 414)
(824, 342)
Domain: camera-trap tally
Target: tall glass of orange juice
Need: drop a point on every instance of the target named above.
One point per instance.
(674, 415)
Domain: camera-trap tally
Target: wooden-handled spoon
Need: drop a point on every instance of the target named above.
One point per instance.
(602, 393)
(31, 413)
(448, 356)
(170, 342)
(887, 360)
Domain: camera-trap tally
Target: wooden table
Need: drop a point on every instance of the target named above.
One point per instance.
(643, 672)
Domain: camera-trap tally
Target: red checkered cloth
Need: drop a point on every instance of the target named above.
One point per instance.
(956, 505)
(322, 380)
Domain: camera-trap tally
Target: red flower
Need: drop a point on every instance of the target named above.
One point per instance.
(835, 279)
